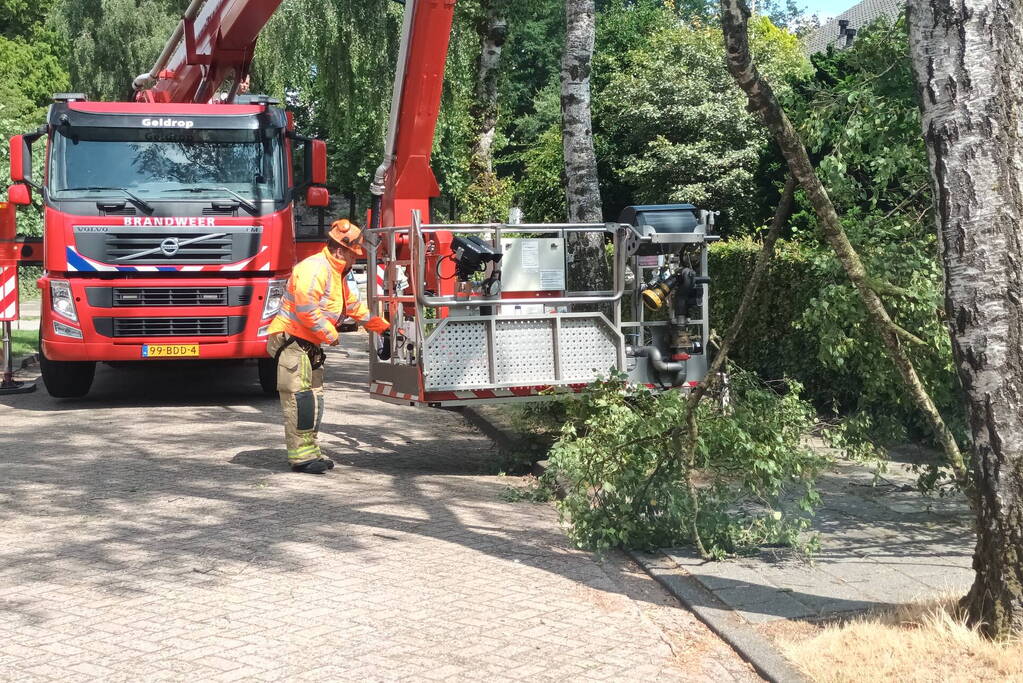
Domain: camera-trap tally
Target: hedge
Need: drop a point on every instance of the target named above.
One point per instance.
(771, 344)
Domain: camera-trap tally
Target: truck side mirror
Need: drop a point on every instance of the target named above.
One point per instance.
(317, 197)
(318, 171)
(19, 194)
(21, 160)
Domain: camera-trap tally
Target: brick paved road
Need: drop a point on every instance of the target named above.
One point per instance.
(151, 532)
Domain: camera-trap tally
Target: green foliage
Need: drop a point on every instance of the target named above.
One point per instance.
(624, 479)
(487, 200)
(808, 324)
(23, 342)
(770, 344)
(859, 116)
(30, 72)
(535, 491)
(333, 63)
(109, 42)
(540, 190)
(675, 127)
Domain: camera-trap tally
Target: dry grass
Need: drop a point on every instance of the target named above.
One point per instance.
(919, 642)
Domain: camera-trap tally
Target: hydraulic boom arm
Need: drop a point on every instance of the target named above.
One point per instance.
(214, 41)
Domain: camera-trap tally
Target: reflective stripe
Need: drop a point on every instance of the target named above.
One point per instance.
(304, 453)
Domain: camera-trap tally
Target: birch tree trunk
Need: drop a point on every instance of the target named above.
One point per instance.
(968, 60)
(581, 189)
(493, 31)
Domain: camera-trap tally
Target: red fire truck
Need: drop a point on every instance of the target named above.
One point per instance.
(169, 227)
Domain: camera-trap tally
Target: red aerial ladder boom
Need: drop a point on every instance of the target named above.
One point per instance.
(214, 42)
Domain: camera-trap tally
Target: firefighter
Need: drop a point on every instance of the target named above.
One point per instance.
(317, 299)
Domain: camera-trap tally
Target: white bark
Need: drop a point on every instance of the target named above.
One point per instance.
(493, 31)
(582, 190)
(968, 59)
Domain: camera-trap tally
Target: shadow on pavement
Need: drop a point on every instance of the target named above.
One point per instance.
(177, 474)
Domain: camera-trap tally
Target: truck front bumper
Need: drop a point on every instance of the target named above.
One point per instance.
(110, 327)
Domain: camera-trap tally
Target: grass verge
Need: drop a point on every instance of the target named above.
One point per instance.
(23, 342)
(925, 641)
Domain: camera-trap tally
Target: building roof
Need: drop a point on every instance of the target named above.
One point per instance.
(858, 16)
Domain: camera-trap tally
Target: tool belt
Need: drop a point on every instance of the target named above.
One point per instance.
(315, 353)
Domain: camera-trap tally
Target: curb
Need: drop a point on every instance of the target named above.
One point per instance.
(753, 647)
(750, 644)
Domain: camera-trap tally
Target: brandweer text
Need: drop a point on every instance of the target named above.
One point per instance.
(184, 222)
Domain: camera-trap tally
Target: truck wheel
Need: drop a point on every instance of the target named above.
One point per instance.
(268, 376)
(66, 379)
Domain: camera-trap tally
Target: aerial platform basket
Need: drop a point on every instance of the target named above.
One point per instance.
(535, 339)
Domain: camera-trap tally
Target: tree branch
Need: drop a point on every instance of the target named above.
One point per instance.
(690, 424)
(762, 100)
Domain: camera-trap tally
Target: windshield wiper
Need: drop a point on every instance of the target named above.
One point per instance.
(131, 196)
(249, 206)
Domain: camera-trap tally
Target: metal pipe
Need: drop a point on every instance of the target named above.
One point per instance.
(146, 80)
(657, 360)
(472, 229)
(8, 371)
(377, 186)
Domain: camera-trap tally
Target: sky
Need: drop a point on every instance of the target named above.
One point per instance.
(826, 8)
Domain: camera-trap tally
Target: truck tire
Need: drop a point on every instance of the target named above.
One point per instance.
(268, 376)
(66, 379)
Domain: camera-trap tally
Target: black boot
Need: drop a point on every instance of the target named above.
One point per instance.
(314, 466)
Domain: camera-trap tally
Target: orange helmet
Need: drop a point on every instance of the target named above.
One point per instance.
(348, 235)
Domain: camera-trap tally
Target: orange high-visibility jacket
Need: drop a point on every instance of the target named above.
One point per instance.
(317, 297)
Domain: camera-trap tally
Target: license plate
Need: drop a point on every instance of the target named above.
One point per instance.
(170, 350)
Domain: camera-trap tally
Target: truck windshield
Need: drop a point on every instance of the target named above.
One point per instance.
(161, 163)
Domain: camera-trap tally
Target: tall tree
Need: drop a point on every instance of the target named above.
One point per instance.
(112, 41)
(582, 191)
(968, 59)
(493, 31)
(486, 199)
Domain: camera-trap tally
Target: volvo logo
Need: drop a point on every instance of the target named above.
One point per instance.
(170, 246)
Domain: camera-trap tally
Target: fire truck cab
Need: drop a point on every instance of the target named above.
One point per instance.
(168, 230)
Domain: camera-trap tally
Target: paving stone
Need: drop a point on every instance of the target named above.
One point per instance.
(879, 546)
(154, 531)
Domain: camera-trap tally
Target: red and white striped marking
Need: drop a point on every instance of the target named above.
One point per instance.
(387, 390)
(8, 293)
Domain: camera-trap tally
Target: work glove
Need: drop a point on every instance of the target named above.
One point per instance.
(376, 324)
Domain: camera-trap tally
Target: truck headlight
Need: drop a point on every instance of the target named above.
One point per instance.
(61, 300)
(274, 296)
